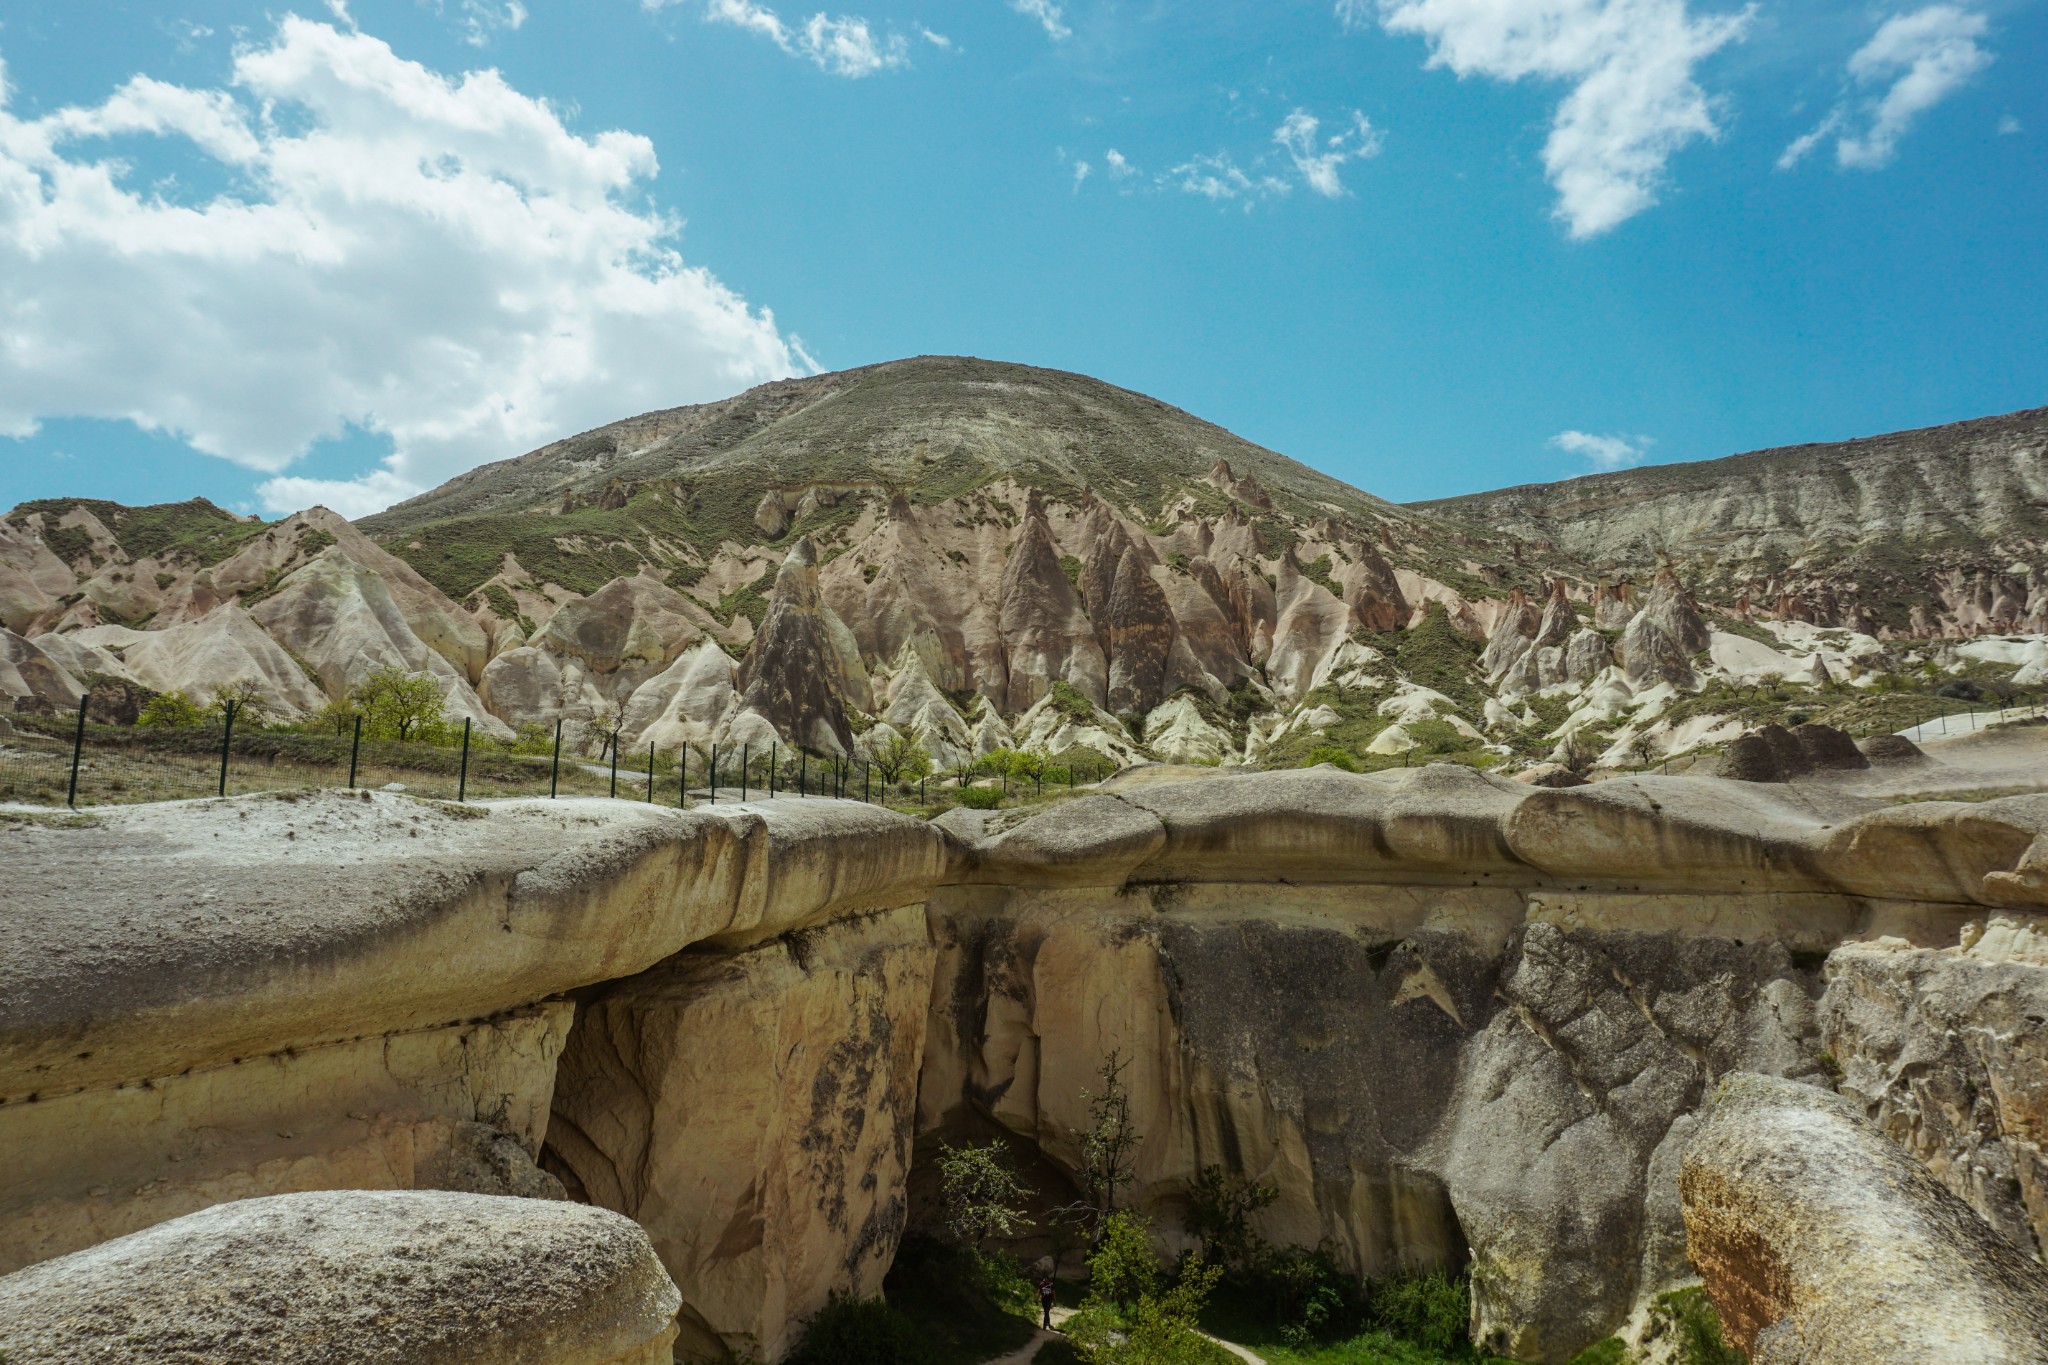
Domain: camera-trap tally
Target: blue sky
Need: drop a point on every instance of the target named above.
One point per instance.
(340, 253)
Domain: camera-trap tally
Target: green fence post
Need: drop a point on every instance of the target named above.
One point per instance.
(555, 772)
(865, 794)
(227, 733)
(614, 746)
(462, 783)
(803, 771)
(773, 754)
(77, 748)
(683, 777)
(355, 748)
(650, 774)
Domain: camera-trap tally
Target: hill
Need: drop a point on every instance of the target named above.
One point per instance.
(986, 557)
(1916, 532)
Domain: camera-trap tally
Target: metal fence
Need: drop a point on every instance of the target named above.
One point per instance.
(49, 760)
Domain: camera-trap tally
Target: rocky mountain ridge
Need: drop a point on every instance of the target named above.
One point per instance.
(986, 557)
(1927, 532)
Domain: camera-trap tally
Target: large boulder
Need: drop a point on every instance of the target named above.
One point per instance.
(353, 1278)
(1822, 1243)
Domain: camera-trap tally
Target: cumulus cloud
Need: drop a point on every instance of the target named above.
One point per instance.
(1634, 101)
(1120, 167)
(1604, 452)
(1318, 159)
(1082, 170)
(437, 261)
(844, 46)
(1919, 60)
(1047, 14)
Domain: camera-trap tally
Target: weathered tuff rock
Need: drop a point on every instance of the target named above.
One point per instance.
(1822, 1243)
(1433, 1009)
(265, 995)
(351, 1279)
(753, 1112)
(1439, 1011)
(803, 670)
(1946, 1049)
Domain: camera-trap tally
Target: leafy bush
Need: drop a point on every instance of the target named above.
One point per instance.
(1432, 1310)
(1070, 701)
(1220, 1206)
(978, 798)
(861, 1332)
(982, 1196)
(1332, 755)
(170, 710)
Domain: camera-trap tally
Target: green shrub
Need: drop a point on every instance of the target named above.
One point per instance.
(861, 1332)
(1432, 1310)
(170, 710)
(1332, 755)
(1687, 1317)
(979, 798)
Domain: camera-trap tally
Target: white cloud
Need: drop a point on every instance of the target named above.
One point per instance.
(435, 260)
(1119, 166)
(938, 40)
(846, 46)
(1604, 452)
(480, 18)
(1047, 14)
(1318, 161)
(2008, 126)
(1081, 172)
(1220, 179)
(1921, 59)
(1633, 104)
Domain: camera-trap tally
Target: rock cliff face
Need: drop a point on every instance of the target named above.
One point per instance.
(1447, 1016)
(753, 1112)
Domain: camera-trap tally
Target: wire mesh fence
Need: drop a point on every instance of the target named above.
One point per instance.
(54, 760)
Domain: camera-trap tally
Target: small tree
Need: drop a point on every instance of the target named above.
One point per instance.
(399, 705)
(245, 697)
(1220, 1207)
(1127, 1319)
(1109, 1147)
(983, 1196)
(170, 710)
(902, 759)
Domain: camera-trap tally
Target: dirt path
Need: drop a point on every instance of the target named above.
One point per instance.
(1022, 1355)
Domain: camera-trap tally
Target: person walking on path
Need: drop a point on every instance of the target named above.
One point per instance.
(1045, 1297)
